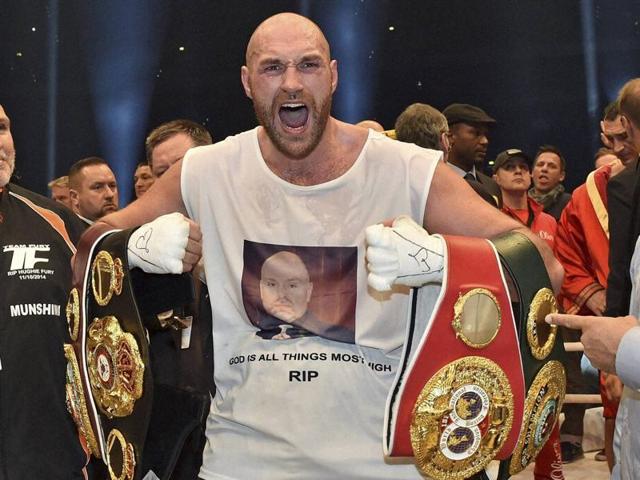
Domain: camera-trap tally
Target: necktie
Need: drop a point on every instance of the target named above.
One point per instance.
(469, 176)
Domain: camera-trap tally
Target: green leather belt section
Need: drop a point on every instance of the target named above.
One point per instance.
(522, 262)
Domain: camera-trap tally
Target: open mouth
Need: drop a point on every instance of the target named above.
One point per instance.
(293, 116)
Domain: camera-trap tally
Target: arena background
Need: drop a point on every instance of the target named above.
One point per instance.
(82, 78)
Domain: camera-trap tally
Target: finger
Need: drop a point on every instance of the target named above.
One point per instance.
(378, 283)
(194, 247)
(190, 258)
(575, 322)
(373, 234)
(407, 222)
(387, 270)
(186, 267)
(195, 232)
(385, 256)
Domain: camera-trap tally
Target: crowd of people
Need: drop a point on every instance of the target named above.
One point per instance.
(277, 246)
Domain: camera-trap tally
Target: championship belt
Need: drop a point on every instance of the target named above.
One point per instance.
(541, 349)
(457, 402)
(109, 384)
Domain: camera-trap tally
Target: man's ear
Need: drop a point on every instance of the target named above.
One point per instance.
(450, 137)
(73, 195)
(445, 143)
(632, 131)
(333, 67)
(244, 76)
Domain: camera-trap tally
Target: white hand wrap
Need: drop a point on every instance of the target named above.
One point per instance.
(404, 253)
(159, 246)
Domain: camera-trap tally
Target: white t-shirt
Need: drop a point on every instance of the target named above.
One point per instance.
(308, 406)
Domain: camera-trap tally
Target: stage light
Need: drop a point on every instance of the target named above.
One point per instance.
(351, 27)
(123, 55)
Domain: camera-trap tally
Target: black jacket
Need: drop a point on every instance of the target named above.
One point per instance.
(38, 438)
(624, 227)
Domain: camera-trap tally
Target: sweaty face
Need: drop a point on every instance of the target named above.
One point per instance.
(616, 138)
(61, 195)
(97, 194)
(547, 172)
(285, 289)
(513, 176)
(143, 179)
(169, 152)
(7, 150)
(290, 79)
(468, 144)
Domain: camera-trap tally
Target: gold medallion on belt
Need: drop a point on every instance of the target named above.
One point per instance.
(107, 275)
(476, 317)
(541, 410)
(540, 335)
(462, 418)
(115, 367)
(72, 311)
(124, 456)
(76, 401)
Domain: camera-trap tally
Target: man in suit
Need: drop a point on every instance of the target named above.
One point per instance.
(620, 195)
(469, 139)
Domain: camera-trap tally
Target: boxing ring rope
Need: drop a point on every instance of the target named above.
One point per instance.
(579, 397)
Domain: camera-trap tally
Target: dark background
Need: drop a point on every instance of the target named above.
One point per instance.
(92, 77)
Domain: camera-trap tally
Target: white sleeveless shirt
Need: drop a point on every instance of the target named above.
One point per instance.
(308, 406)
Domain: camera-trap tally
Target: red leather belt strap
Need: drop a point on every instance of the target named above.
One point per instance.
(471, 263)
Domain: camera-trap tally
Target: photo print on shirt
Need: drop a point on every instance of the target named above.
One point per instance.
(293, 291)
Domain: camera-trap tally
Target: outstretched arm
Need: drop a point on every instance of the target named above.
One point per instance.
(165, 243)
(603, 338)
(454, 208)
(163, 197)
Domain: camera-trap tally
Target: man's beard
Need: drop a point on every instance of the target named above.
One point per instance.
(5, 173)
(296, 149)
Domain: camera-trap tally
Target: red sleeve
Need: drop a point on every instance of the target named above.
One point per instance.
(573, 252)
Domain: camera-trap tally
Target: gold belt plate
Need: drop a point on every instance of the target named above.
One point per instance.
(461, 419)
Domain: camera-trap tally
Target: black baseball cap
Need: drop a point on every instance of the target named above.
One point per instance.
(504, 157)
(465, 113)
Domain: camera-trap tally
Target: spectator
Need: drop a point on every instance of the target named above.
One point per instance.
(425, 126)
(38, 438)
(469, 140)
(60, 190)
(143, 178)
(548, 173)
(167, 143)
(93, 189)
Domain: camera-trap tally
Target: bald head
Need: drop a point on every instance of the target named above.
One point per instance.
(285, 286)
(282, 26)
